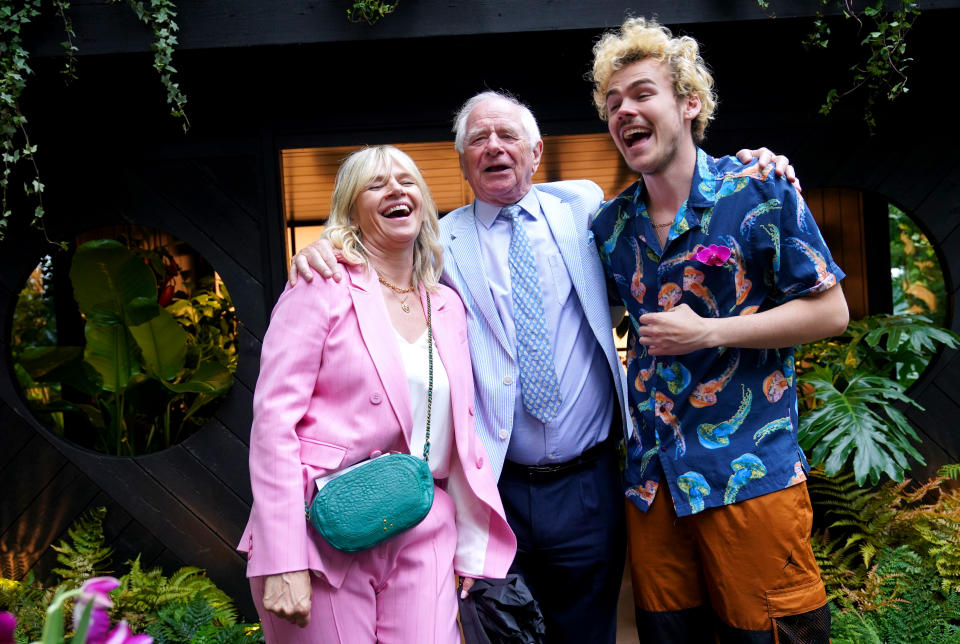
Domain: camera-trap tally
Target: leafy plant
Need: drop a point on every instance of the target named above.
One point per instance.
(85, 554)
(916, 277)
(146, 374)
(882, 73)
(370, 11)
(17, 153)
(889, 559)
(147, 600)
(196, 621)
(850, 385)
(160, 16)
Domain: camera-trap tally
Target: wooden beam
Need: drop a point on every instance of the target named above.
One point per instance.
(106, 28)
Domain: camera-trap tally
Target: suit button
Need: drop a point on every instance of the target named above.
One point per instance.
(375, 398)
(479, 462)
(470, 409)
(508, 380)
(503, 434)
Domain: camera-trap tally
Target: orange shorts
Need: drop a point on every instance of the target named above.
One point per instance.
(750, 562)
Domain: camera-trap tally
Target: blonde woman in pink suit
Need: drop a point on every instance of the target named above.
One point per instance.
(343, 375)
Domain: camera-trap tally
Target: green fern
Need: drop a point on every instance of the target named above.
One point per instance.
(27, 600)
(196, 622)
(84, 554)
(143, 592)
(949, 471)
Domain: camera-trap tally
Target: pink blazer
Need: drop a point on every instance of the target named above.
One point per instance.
(331, 390)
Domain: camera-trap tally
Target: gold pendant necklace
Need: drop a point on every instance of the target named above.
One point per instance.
(401, 293)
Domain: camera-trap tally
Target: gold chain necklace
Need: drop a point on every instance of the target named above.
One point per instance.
(659, 226)
(401, 293)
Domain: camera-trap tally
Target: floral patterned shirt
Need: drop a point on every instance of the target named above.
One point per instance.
(719, 425)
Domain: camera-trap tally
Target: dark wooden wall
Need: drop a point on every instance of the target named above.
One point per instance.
(109, 153)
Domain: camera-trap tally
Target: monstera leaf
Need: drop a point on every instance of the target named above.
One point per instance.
(859, 421)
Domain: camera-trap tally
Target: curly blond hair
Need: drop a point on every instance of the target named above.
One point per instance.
(355, 173)
(638, 39)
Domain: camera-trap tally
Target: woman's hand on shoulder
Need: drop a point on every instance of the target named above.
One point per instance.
(287, 596)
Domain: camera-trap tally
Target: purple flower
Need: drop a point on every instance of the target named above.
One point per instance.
(122, 635)
(95, 590)
(712, 255)
(8, 624)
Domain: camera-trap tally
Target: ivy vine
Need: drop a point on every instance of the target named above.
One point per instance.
(883, 72)
(370, 11)
(17, 153)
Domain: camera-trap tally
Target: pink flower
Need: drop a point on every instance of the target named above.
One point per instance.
(8, 624)
(95, 590)
(712, 255)
(122, 635)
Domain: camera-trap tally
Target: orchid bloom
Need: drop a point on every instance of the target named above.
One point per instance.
(121, 635)
(8, 624)
(712, 255)
(97, 590)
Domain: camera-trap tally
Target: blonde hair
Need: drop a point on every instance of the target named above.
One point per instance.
(355, 174)
(638, 39)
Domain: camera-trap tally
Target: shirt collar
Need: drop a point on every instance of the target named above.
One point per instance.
(486, 213)
(703, 194)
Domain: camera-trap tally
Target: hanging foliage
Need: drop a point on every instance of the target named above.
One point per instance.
(881, 73)
(20, 168)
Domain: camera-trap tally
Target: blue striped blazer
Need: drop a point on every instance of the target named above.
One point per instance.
(568, 207)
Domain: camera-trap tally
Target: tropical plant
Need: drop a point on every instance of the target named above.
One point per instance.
(850, 386)
(146, 374)
(915, 275)
(140, 600)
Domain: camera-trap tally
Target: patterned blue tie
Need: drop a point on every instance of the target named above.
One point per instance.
(538, 375)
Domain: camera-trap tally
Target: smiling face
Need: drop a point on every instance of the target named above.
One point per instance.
(389, 210)
(647, 121)
(498, 160)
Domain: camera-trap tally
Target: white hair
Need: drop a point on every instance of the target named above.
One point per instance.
(527, 119)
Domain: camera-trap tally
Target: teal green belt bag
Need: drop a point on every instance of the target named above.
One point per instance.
(371, 501)
(361, 505)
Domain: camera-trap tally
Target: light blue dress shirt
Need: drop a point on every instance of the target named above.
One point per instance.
(586, 386)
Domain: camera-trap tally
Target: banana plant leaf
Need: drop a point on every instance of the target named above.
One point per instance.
(106, 277)
(163, 345)
(113, 353)
(40, 361)
(211, 377)
(860, 421)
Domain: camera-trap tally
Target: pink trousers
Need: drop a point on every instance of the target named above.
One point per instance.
(399, 592)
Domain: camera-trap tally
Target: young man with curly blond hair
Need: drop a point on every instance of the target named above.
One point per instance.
(722, 270)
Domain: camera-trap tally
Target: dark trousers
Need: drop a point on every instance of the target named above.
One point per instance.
(571, 544)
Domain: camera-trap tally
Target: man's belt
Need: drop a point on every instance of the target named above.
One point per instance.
(551, 472)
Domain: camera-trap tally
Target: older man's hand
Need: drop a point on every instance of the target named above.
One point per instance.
(288, 596)
(765, 156)
(319, 255)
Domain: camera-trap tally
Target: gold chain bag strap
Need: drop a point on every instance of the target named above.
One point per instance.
(359, 506)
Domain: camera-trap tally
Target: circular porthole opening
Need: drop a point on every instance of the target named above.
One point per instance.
(126, 343)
